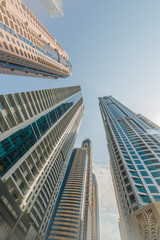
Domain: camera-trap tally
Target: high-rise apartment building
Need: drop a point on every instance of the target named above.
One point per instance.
(69, 216)
(134, 148)
(37, 133)
(87, 233)
(95, 210)
(54, 7)
(77, 212)
(26, 47)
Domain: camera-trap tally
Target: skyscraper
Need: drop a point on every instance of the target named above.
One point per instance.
(68, 219)
(134, 148)
(26, 47)
(54, 7)
(95, 210)
(77, 212)
(37, 133)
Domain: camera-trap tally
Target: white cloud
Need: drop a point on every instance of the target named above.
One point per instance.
(107, 203)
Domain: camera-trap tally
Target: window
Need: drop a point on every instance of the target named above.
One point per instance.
(153, 189)
(155, 174)
(137, 161)
(144, 173)
(158, 181)
(151, 168)
(140, 167)
(146, 199)
(141, 189)
(138, 181)
(134, 174)
(148, 180)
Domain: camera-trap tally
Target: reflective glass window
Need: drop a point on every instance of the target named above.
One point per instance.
(148, 180)
(144, 173)
(153, 189)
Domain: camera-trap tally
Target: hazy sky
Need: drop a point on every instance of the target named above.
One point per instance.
(114, 48)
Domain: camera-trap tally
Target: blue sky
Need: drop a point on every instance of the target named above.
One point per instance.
(114, 48)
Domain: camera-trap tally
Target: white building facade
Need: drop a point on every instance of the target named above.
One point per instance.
(38, 130)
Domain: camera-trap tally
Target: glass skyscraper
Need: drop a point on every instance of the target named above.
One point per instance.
(37, 134)
(26, 47)
(134, 149)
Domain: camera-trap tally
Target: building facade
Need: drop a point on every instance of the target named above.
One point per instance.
(69, 216)
(13, 223)
(87, 233)
(37, 133)
(54, 7)
(95, 210)
(134, 148)
(26, 47)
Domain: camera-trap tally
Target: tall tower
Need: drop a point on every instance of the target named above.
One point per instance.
(54, 7)
(95, 210)
(26, 47)
(37, 134)
(88, 196)
(134, 148)
(69, 215)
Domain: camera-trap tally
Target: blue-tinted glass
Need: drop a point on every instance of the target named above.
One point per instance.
(134, 157)
(144, 157)
(158, 181)
(16, 145)
(148, 180)
(35, 128)
(144, 173)
(117, 113)
(131, 167)
(147, 162)
(146, 199)
(153, 189)
(140, 167)
(155, 174)
(141, 189)
(137, 162)
(137, 180)
(134, 174)
(151, 168)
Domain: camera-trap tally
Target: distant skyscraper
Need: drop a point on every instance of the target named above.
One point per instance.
(26, 47)
(88, 196)
(68, 219)
(95, 210)
(134, 148)
(54, 7)
(77, 212)
(37, 133)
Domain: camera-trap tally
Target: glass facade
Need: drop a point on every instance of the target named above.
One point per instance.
(17, 144)
(135, 150)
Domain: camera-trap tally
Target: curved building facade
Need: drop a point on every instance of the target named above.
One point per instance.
(26, 47)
